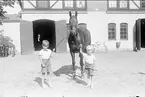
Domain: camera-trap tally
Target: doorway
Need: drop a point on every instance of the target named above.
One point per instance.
(142, 33)
(44, 29)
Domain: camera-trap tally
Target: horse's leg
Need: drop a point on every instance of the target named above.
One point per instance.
(73, 63)
(82, 65)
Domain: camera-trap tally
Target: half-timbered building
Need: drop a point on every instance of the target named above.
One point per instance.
(109, 21)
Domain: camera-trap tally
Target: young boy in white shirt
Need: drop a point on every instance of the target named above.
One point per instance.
(45, 56)
(89, 63)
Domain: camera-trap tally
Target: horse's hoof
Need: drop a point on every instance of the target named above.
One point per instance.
(82, 76)
(73, 77)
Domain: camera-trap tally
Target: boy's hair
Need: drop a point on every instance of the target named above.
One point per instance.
(45, 43)
(89, 47)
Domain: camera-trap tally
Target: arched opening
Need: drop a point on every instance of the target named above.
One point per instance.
(44, 29)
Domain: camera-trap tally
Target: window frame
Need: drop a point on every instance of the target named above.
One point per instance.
(117, 5)
(74, 5)
(141, 4)
(42, 8)
(113, 37)
(123, 34)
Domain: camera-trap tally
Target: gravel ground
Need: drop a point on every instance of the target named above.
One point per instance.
(120, 74)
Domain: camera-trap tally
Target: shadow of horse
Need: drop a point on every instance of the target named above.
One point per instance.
(68, 71)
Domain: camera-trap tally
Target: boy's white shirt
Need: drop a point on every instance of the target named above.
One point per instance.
(45, 54)
(89, 58)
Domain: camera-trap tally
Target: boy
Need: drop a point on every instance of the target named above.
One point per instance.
(89, 62)
(45, 56)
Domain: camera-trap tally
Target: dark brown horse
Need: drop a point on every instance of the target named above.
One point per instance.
(76, 37)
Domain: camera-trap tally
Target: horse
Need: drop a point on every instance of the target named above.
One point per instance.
(77, 36)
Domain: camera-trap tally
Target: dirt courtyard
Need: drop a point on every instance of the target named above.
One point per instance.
(120, 74)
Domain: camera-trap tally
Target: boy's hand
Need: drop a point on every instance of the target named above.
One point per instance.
(53, 50)
(81, 49)
(43, 64)
(81, 45)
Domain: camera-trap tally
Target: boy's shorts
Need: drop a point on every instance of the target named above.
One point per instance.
(89, 71)
(47, 67)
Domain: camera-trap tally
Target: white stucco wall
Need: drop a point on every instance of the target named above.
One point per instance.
(97, 23)
(12, 30)
(56, 17)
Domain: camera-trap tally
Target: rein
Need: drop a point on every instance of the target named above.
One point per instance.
(63, 38)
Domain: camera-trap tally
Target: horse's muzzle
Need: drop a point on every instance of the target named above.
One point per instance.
(75, 48)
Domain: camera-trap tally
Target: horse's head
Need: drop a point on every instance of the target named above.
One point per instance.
(73, 22)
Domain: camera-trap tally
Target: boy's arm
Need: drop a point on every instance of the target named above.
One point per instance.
(41, 59)
(94, 63)
(81, 50)
(52, 53)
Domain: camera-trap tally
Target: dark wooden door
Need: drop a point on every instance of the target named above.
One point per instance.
(61, 36)
(138, 34)
(26, 37)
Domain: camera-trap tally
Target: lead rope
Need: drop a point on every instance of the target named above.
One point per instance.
(62, 40)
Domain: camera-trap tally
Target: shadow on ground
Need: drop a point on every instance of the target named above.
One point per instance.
(68, 70)
(38, 80)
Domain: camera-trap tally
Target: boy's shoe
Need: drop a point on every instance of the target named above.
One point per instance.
(44, 86)
(89, 86)
(49, 84)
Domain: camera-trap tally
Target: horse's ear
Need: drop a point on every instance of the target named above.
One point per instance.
(76, 13)
(70, 13)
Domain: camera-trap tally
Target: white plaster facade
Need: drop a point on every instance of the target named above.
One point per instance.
(96, 20)
(12, 29)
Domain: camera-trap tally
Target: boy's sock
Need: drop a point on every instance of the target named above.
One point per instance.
(43, 84)
(49, 83)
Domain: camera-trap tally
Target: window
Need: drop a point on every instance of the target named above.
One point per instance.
(74, 4)
(112, 4)
(80, 4)
(118, 4)
(124, 31)
(43, 4)
(142, 3)
(111, 31)
(123, 3)
(68, 4)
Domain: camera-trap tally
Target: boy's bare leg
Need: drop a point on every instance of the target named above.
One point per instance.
(89, 80)
(43, 80)
(49, 81)
(49, 74)
(91, 85)
(44, 77)
(49, 68)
